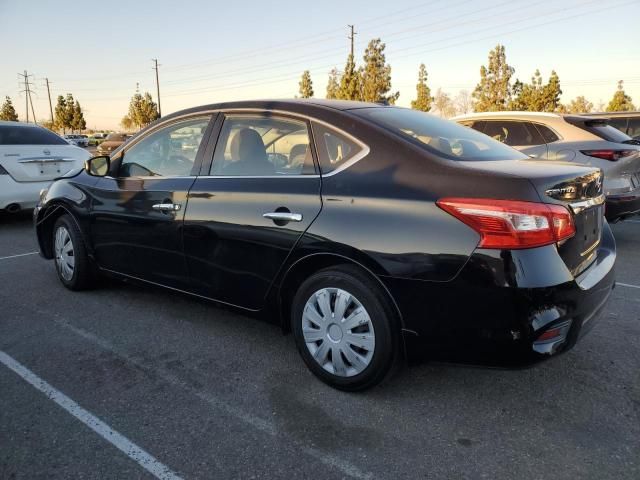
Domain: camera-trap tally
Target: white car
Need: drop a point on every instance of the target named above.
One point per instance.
(77, 140)
(574, 138)
(30, 158)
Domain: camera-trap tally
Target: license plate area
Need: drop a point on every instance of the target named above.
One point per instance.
(589, 229)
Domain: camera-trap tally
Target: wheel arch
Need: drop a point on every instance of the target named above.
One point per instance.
(306, 266)
(45, 221)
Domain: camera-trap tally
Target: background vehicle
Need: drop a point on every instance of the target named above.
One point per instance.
(112, 142)
(77, 140)
(97, 138)
(370, 232)
(626, 122)
(30, 158)
(580, 139)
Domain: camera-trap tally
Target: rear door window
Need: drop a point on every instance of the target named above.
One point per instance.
(513, 133)
(633, 128)
(334, 148)
(19, 135)
(548, 135)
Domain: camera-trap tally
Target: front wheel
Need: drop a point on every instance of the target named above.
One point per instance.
(73, 265)
(345, 328)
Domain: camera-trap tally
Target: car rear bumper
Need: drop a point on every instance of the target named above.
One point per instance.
(25, 194)
(505, 308)
(621, 206)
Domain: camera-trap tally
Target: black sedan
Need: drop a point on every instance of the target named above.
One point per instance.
(375, 234)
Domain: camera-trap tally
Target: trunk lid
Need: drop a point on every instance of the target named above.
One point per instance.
(39, 163)
(576, 187)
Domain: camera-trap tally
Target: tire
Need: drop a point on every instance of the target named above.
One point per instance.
(73, 265)
(354, 350)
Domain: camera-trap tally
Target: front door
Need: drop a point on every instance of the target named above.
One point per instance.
(137, 215)
(243, 219)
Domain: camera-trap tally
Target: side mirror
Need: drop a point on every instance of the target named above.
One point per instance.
(98, 166)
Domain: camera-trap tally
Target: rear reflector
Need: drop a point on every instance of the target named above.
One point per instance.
(512, 224)
(611, 155)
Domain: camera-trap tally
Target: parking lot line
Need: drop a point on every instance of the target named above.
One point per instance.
(137, 454)
(628, 285)
(19, 255)
(347, 468)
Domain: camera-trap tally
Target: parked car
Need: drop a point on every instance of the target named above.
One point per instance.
(626, 122)
(97, 138)
(112, 142)
(578, 139)
(30, 158)
(77, 140)
(373, 233)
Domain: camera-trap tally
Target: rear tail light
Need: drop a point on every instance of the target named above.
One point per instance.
(512, 224)
(611, 155)
(3, 171)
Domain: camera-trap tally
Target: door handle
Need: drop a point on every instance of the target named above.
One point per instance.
(283, 216)
(163, 207)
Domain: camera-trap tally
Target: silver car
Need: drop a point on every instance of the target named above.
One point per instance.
(574, 138)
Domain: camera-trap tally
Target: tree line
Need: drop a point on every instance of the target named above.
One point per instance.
(497, 89)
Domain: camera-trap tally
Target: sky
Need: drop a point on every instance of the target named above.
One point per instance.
(213, 51)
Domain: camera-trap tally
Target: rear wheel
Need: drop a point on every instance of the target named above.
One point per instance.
(345, 328)
(73, 265)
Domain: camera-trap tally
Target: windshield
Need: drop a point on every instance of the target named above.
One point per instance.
(442, 137)
(117, 137)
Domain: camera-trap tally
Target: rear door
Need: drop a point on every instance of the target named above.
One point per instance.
(34, 154)
(246, 213)
(136, 215)
(520, 135)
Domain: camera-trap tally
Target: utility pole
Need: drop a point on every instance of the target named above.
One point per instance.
(352, 37)
(155, 67)
(50, 105)
(27, 95)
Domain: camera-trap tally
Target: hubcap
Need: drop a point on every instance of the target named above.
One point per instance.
(65, 259)
(338, 332)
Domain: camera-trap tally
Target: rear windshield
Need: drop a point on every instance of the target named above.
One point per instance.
(600, 128)
(23, 135)
(441, 137)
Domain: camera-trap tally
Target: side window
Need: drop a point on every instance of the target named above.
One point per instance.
(620, 124)
(633, 129)
(334, 148)
(170, 151)
(548, 135)
(514, 133)
(263, 146)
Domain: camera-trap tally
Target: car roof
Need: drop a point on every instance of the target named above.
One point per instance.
(282, 104)
(510, 114)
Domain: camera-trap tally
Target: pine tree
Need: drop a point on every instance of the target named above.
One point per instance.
(376, 75)
(333, 86)
(423, 92)
(69, 111)
(306, 85)
(60, 114)
(142, 110)
(494, 91)
(535, 96)
(621, 102)
(78, 123)
(7, 112)
(351, 82)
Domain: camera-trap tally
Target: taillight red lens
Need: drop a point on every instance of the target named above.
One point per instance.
(512, 224)
(611, 155)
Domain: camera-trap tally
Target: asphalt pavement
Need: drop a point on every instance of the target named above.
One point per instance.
(130, 382)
